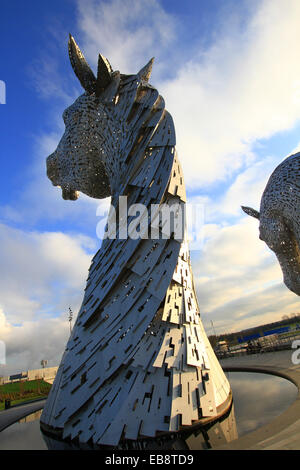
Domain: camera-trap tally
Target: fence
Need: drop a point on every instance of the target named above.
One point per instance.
(275, 342)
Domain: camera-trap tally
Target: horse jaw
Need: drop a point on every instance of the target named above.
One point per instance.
(280, 238)
(289, 260)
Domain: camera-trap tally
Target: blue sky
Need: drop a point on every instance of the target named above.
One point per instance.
(229, 72)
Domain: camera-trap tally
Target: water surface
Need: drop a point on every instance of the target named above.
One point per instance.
(257, 399)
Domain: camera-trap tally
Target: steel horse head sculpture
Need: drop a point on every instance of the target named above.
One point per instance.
(138, 364)
(279, 218)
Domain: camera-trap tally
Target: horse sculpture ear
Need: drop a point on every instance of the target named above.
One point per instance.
(81, 67)
(145, 72)
(252, 212)
(104, 75)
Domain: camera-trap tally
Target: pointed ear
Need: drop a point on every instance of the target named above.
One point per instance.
(104, 75)
(145, 72)
(250, 211)
(81, 67)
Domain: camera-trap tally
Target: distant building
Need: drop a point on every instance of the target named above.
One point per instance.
(47, 373)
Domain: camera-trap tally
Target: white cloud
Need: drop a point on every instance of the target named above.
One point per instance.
(245, 190)
(48, 81)
(44, 273)
(262, 306)
(239, 281)
(127, 32)
(245, 87)
(5, 327)
(28, 344)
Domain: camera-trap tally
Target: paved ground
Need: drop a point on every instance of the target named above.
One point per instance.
(10, 416)
(283, 433)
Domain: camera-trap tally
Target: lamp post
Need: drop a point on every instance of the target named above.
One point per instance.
(70, 318)
(213, 328)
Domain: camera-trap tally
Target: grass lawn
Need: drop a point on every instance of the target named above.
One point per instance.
(23, 391)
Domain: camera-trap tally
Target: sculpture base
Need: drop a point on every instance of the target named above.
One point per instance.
(183, 439)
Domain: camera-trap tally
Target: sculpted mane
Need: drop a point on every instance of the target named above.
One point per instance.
(138, 362)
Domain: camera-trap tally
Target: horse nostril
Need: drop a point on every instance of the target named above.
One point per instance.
(69, 194)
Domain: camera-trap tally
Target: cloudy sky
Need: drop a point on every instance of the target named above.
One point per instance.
(229, 71)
